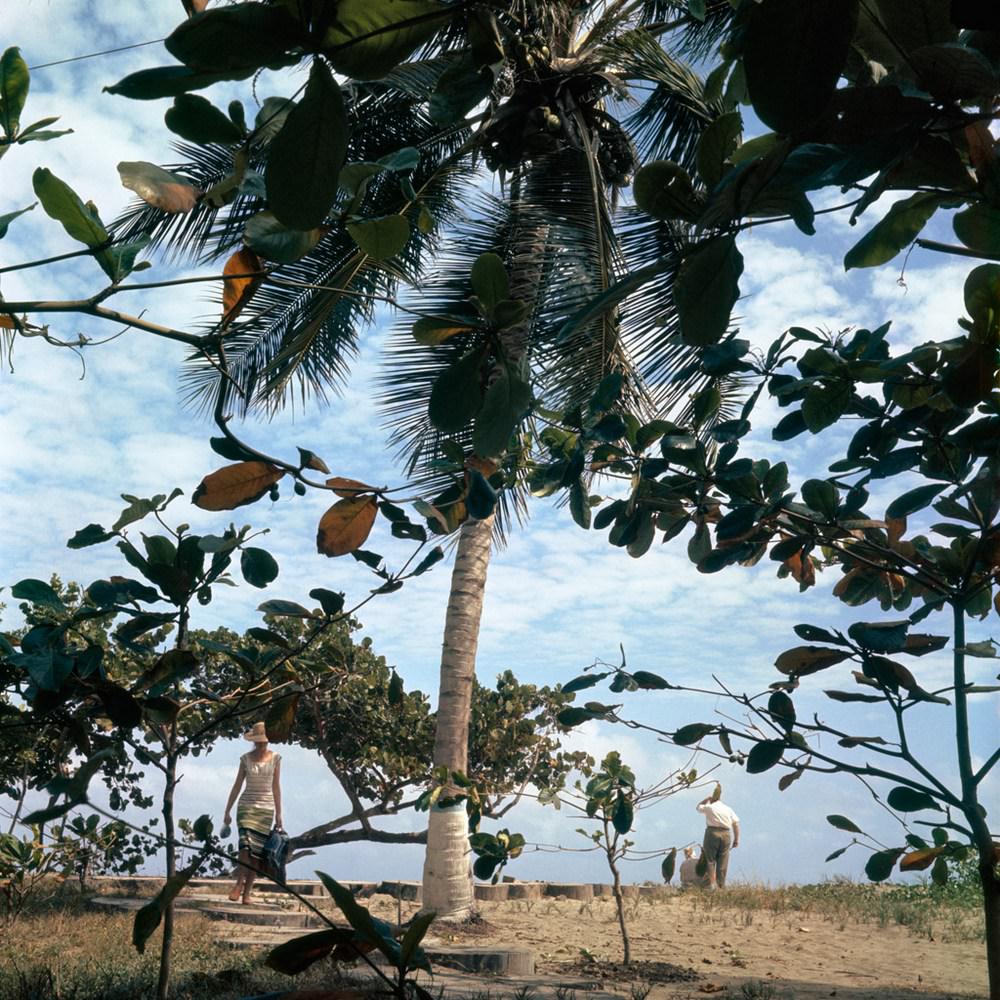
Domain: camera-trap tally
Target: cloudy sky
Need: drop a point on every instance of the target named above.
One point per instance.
(558, 597)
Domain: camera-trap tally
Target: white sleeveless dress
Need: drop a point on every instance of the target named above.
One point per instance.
(255, 810)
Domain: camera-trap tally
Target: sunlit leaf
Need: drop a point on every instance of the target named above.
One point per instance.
(235, 485)
(346, 525)
(240, 282)
(9, 217)
(381, 238)
(370, 37)
(64, 205)
(158, 187)
(14, 83)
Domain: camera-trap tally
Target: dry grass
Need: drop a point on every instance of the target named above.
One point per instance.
(63, 951)
(925, 911)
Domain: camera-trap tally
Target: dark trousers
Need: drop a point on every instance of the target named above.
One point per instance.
(716, 847)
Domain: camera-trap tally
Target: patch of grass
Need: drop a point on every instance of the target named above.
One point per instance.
(952, 912)
(65, 952)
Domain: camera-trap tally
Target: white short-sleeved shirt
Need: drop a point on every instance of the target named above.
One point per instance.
(718, 814)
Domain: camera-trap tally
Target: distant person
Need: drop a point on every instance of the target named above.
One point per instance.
(690, 879)
(259, 808)
(722, 834)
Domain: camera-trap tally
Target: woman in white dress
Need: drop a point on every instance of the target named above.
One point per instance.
(259, 808)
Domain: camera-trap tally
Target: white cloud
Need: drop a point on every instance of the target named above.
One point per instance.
(557, 597)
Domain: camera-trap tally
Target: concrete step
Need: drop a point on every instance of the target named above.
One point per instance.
(499, 960)
(261, 915)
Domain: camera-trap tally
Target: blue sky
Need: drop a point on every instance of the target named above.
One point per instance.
(557, 598)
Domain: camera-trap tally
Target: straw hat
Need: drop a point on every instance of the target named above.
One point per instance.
(257, 733)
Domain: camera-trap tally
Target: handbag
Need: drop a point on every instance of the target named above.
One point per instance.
(275, 852)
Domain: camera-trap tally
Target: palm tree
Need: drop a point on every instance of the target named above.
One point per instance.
(560, 100)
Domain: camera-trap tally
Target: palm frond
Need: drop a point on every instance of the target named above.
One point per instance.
(302, 326)
(671, 117)
(410, 369)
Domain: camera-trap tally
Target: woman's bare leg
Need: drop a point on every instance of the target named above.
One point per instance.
(248, 878)
(242, 868)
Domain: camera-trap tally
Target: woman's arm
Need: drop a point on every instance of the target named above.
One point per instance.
(276, 792)
(237, 785)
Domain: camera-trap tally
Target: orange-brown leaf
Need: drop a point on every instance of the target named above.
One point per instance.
(896, 528)
(237, 292)
(917, 861)
(349, 487)
(346, 525)
(484, 465)
(235, 485)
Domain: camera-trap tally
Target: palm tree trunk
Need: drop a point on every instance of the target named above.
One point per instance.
(447, 883)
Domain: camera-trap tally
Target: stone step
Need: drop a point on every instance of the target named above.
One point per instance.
(582, 891)
(500, 960)
(410, 891)
(267, 914)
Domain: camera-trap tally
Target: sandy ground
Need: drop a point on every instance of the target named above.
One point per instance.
(802, 955)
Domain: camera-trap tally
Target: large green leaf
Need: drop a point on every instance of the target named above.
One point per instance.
(481, 498)
(506, 401)
(459, 89)
(375, 932)
(692, 733)
(198, 120)
(37, 592)
(706, 290)
(793, 56)
(910, 799)
(880, 865)
(843, 823)
(258, 566)
(168, 81)
(801, 660)
(489, 281)
(370, 37)
(897, 230)
(243, 36)
(825, 404)
(717, 143)
(622, 814)
(148, 918)
(669, 864)
(64, 205)
(880, 637)
(764, 755)
(305, 157)
(913, 500)
(664, 190)
(14, 83)
(266, 236)
(295, 956)
(9, 217)
(457, 393)
(978, 227)
(381, 238)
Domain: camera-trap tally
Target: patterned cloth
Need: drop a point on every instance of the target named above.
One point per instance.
(253, 842)
(255, 810)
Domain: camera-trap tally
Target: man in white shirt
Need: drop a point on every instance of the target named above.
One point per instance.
(722, 833)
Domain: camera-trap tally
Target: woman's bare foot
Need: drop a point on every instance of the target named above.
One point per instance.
(237, 889)
(247, 898)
